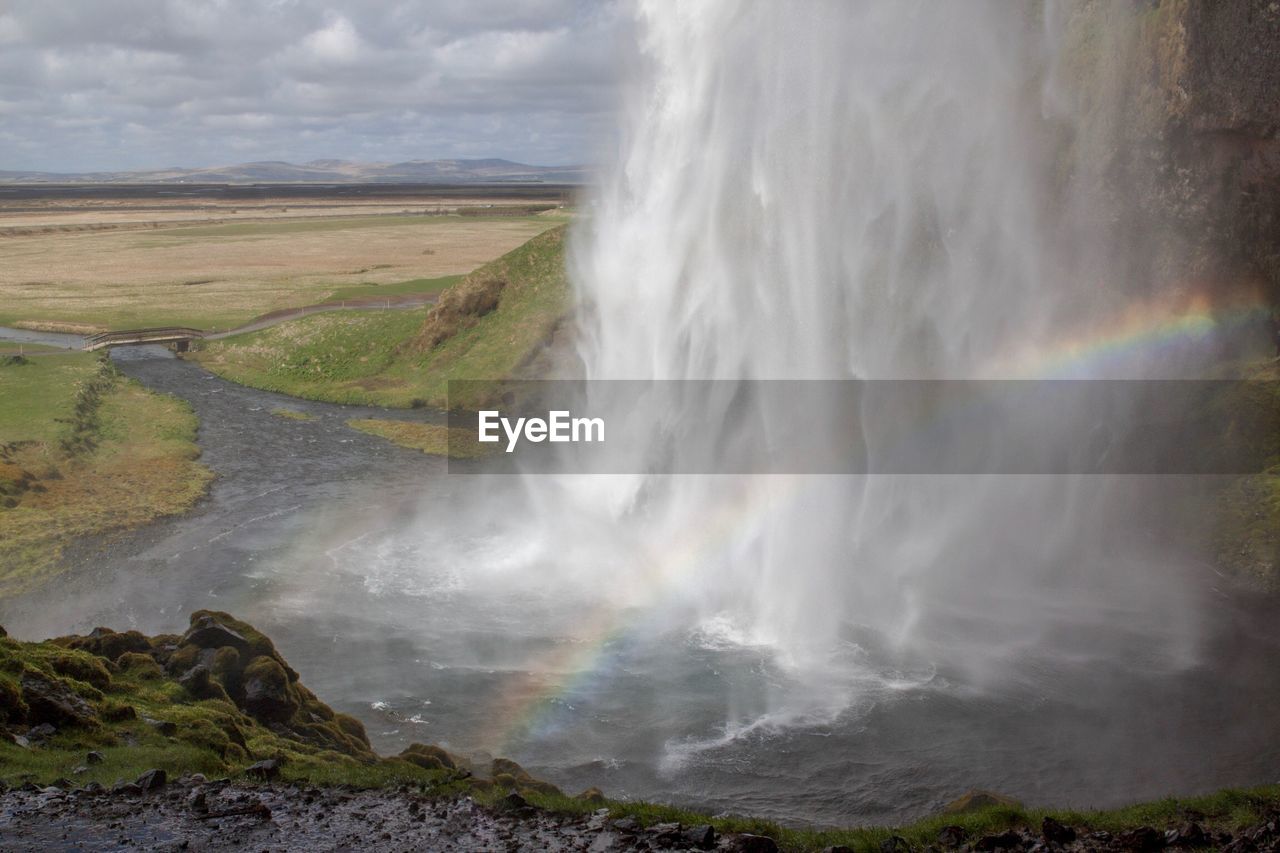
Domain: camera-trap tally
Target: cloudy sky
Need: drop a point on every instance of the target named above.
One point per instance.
(91, 85)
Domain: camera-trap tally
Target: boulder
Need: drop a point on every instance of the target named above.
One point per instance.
(209, 632)
(168, 728)
(51, 701)
(152, 780)
(200, 684)
(703, 837)
(508, 767)
(951, 836)
(41, 732)
(428, 756)
(754, 844)
(264, 770)
(516, 804)
(976, 800)
(1188, 835)
(109, 644)
(12, 707)
(1142, 839)
(94, 757)
(1056, 832)
(592, 795)
(268, 694)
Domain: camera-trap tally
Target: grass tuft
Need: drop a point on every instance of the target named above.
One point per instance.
(433, 439)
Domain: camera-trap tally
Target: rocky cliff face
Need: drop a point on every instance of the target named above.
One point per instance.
(1165, 115)
(1172, 109)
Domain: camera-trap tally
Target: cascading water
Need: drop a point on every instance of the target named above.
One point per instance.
(827, 190)
(845, 192)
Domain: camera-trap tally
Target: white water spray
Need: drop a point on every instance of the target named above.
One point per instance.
(827, 192)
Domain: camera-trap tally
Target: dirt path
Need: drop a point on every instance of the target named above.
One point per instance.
(366, 303)
(263, 321)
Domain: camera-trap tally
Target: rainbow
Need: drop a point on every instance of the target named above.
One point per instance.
(1144, 330)
(526, 701)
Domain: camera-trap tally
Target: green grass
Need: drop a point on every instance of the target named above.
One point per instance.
(433, 439)
(372, 358)
(339, 357)
(1228, 810)
(501, 343)
(13, 348)
(33, 396)
(212, 736)
(84, 451)
(402, 288)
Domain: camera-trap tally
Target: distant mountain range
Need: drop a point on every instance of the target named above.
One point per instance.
(323, 172)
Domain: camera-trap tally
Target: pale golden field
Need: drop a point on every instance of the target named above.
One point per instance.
(56, 270)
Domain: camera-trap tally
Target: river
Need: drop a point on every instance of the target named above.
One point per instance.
(326, 538)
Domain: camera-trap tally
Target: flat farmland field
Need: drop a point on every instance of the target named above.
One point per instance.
(131, 263)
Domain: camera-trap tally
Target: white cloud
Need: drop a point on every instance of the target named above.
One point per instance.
(337, 42)
(205, 82)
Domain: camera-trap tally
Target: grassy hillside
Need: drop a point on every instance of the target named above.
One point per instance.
(486, 326)
(84, 451)
(215, 701)
(220, 700)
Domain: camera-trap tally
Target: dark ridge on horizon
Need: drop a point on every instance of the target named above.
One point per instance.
(330, 171)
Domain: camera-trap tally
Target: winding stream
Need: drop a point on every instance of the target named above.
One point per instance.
(326, 538)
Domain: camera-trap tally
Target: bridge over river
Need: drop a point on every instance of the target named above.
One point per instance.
(180, 336)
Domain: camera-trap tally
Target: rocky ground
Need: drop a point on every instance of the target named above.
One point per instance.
(194, 814)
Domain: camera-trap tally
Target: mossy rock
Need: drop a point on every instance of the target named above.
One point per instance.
(429, 756)
(353, 728)
(199, 684)
(507, 767)
(108, 644)
(594, 796)
(13, 709)
(82, 668)
(138, 666)
(205, 734)
(541, 787)
(117, 712)
(227, 667)
(55, 701)
(976, 800)
(183, 660)
(505, 781)
(269, 694)
(256, 643)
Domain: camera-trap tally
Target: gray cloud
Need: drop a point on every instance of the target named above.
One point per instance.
(93, 85)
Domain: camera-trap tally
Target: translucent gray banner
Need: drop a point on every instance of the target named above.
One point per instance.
(954, 427)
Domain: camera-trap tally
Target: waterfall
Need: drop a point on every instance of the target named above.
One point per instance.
(844, 191)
